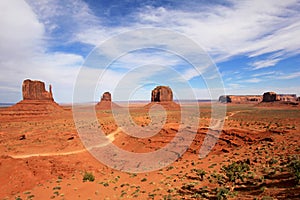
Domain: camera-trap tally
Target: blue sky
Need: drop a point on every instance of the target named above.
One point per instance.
(255, 46)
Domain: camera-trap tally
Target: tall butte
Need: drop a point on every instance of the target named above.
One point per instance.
(36, 99)
(163, 95)
(35, 90)
(106, 103)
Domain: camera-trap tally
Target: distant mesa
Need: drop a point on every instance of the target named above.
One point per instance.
(240, 98)
(36, 99)
(272, 96)
(265, 98)
(106, 102)
(161, 94)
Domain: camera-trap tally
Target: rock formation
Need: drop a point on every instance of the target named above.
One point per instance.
(106, 103)
(225, 99)
(106, 96)
(287, 97)
(240, 98)
(270, 97)
(36, 100)
(35, 90)
(161, 94)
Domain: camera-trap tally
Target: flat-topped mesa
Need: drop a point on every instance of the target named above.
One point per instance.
(240, 98)
(270, 97)
(106, 96)
(161, 94)
(35, 90)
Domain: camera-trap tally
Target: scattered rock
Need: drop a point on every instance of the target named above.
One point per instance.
(225, 151)
(22, 137)
(267, 139)
(71, 138)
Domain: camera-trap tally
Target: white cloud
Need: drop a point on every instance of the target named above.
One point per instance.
(21, 33)
(252, 80)
(246, 27)
(264, 63)
(65, 17)
(288, 76)
(23, 55)
(264, 74)
(242, 28)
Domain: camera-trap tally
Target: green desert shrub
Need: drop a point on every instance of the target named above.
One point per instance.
(236, 171)
(294, 166)
(88, 176)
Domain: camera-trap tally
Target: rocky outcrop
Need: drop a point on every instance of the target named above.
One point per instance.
(240, 98)
(36, 100)
(106, 102)
(106, 96)
(270, 97)
(35, 90)
(225, 99)
(287, 97)
(161, 94)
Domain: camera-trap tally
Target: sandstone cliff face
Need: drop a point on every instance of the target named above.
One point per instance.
(287, 97)
(35, 90)
(161, 94)
(240, 98)
(106, 96)
(270, 97)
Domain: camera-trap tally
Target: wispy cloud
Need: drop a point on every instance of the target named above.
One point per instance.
(243, 27)
(253, 80)
(264, 63)
(289, 76)
(264, 74)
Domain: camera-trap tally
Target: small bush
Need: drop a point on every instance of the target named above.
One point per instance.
(236, 171)
(294, 165)
(143, 180)
(222, 193)
(201, 173)
(88, 176)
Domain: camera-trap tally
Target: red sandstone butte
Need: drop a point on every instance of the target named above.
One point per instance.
(106, 103)
(36, 100)
(35, 90)
(161, 94)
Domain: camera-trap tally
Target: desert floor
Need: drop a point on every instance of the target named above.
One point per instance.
(256, 156)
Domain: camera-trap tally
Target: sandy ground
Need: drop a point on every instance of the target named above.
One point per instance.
(43, 157)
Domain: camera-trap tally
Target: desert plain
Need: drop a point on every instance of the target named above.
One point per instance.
(256, 156)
